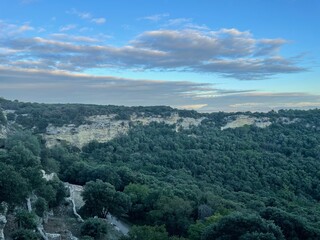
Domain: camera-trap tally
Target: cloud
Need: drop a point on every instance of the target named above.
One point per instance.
(227, 52)
(178, 21)
(66, 87)
(10, 30)
(73, 38)
(93, 89)
(87, 16)
(98, 20)
(83, 15)
(156, 17)
(67, 27)
(192, 107)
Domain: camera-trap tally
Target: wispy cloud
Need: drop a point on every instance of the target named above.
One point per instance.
(9, 29)
(67, 27)
(87, 16)
(178, 21)
(83, 15)
(62, 86)
(98, 20)
(156, 17)
(73, 38)
(227, 52)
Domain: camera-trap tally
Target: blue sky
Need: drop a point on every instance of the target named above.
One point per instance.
(206, 55)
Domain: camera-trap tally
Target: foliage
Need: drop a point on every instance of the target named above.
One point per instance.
(200, 182)
(25, 234)
(240, 226)
(94, 227)
(25, 220)
(293, 227)
(13, 187)
(3, 120)
(41, 206)
(147, 233)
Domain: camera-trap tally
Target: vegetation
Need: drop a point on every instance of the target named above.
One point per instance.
(197, 184)
(94, 227)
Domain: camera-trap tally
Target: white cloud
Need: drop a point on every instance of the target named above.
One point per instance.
(227, 52)
(83, 15)
(192, 107)
(66, 87)
(87, 16)
(67, 27)
(178, 21)
(73, 38)
(156, 17)
(98, 20)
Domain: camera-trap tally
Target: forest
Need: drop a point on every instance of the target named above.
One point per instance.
(201, 183)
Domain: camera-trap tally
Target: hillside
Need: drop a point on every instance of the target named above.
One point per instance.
(172, 174)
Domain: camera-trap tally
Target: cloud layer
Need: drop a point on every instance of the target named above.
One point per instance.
(60, 86)
(226, 52)
(50, 67)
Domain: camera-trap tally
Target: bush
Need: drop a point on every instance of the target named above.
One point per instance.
(25, 234)
(94, 227)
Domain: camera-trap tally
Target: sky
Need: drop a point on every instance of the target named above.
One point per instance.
(206, 55)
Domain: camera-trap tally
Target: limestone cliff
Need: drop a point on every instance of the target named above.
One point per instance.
(103, 128)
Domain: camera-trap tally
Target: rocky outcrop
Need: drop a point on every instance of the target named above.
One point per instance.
(3, 219)
(242, 120)
(104, 128)
(76, 199)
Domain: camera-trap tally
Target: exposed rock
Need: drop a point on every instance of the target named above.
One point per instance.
(48, 177)
(104, 128)
(3, 221)
(76, 199)
(286, 120)
(54, 236)
(242, 120)
(69, 236)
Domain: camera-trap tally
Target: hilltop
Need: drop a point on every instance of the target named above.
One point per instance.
(169, 173)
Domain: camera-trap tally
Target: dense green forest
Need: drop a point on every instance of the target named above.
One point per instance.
(200, 183)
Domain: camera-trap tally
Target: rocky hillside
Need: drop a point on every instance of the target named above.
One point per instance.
(80, 124)
(103, 128)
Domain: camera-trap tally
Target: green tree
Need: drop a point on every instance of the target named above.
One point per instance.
(293, 227)
(25, 234)
(21, 157)
(98, 197)
(26, 220)
(3, 120)
(138, 194)
(240, 226)
(41, 206)
(94, 227)
(13, 187)
(174, 212)
(147, 233)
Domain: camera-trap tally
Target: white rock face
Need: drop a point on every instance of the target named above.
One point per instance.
(243, 120)
(104, 128)
(3, 221)
(48, 177)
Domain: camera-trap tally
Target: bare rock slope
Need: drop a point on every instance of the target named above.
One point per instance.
(103, 128)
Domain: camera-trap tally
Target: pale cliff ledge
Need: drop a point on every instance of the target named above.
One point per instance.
(104, 128)
(242, 120)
